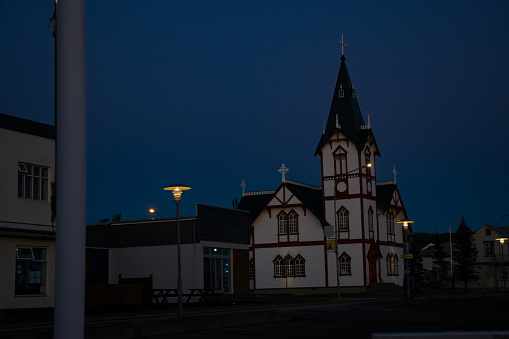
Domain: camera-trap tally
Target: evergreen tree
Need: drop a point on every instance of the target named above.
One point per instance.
(416, 266)
(438, 258)
(465, 255)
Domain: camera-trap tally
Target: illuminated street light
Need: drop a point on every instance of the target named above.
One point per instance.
(338, 266)
(154, 211)
(405, 223)
(177, 196)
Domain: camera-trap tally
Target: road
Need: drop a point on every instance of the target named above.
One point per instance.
(360, 319)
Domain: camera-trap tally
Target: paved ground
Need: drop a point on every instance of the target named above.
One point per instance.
(354, 317)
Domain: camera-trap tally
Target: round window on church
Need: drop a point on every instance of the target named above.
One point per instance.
(341, 186)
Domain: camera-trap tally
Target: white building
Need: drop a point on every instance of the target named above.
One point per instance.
(27, 228)
(294, 228)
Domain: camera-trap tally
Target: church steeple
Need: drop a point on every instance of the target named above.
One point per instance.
(344, 110)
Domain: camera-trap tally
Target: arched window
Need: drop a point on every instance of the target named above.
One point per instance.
(300, 268)
(283, 222)
(344, 222)
(392, 264)
(340, 159)
(345, 263)
(367, 160)
(293, 223)
(279, 267)
(289, 264)
(341, 93)
(371, 230)
(390, 227)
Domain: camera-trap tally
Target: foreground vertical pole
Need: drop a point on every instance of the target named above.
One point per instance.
(179, 278)
(71, 175)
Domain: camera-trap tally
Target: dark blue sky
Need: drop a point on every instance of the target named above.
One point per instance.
(212, 92)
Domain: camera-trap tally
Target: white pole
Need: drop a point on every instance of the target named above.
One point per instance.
(71, 175)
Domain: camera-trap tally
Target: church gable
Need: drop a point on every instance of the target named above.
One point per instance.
(284, 197)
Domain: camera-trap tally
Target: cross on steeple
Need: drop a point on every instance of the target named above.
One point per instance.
(343, 45)
(283, 170)
(243, 184)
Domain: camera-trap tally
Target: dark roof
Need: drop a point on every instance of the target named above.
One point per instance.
(310, 197)
(503, 230)
(348, 111)
(384, 194)
(254, 204)
(27, 126)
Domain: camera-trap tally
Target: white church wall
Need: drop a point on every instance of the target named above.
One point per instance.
(266, 227)
(314, 267)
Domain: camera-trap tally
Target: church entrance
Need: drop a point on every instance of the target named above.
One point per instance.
(373, 255)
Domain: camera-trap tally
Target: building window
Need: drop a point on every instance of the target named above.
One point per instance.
(371, 230)
(345, 263)
(31, 265)
(293, 219)
(391, 236)
(283, 223)
(488, 248)
(279, 267)
(300, 268)
(32, 182)
(487, 231)
(367, 160)
(289, 267)
(288, 223)
(392, 264)
(251, 269)
(341, 93)
(289, 264)
(340, 158)
(343, 217)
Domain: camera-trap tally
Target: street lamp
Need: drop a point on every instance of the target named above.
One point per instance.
(502, 273)
(177, 196)
(154, 211)
(405, 223)
(338, 266)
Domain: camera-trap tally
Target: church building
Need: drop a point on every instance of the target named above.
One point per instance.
(302, 236)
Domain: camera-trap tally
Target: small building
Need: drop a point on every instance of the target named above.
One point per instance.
(492, 267)
(434, 273)
(27, 220)
(214, 251)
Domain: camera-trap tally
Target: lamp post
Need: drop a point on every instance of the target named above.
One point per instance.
(502, 273)
(154, 211)
(177, 196)
(405, 223)
(338, 266)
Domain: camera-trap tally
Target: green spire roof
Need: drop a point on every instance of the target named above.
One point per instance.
(345, 106)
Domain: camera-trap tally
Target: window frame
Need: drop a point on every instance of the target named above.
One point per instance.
(31, 270)
(345, 268)
(343, 219)
(391, 232)
(489, 248)
(33, 182)
(371, 229)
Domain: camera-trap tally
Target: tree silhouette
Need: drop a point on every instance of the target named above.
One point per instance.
(465, 255)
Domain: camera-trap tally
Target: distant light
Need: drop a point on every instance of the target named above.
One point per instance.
(368, 164)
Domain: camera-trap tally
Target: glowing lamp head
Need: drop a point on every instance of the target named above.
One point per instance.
(151, 210)
(502, 240)
(405, 222)
(177, 190)
(368, 164)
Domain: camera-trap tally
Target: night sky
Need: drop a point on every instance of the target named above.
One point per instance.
(208, 93)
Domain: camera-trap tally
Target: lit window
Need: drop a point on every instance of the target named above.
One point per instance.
(32, 182)
(343, 217)
(31, 265)
(346, 264)
(392, 264)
